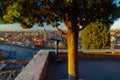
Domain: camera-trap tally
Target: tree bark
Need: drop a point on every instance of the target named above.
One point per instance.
(72, 39)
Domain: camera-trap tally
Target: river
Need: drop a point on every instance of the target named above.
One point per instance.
(15, 52)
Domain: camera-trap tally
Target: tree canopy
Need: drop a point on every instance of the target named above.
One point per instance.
(30, 12)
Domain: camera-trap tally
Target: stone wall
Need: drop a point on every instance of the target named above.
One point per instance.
(36, 68)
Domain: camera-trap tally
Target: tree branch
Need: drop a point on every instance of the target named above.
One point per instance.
(61, 32)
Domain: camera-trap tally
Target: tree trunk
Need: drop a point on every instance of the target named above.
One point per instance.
(72, 39)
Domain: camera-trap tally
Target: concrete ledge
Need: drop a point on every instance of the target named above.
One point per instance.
(102, 54)
(36, 68)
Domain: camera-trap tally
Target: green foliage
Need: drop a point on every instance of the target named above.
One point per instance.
(18, 11)
(96, 36)
(30, 12)
(13, 13)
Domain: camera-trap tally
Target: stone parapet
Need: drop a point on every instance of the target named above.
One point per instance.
(36, 68)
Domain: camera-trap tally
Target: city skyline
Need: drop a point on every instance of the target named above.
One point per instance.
(15, 27)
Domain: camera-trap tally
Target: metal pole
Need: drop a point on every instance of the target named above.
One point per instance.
(56, 47)
(57, 58)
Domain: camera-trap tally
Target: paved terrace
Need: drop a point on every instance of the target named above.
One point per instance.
(105, 66)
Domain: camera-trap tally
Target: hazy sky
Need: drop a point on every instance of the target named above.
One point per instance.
(116, 25)
(15, 27)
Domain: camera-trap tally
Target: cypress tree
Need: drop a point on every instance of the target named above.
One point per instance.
(96, 35)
